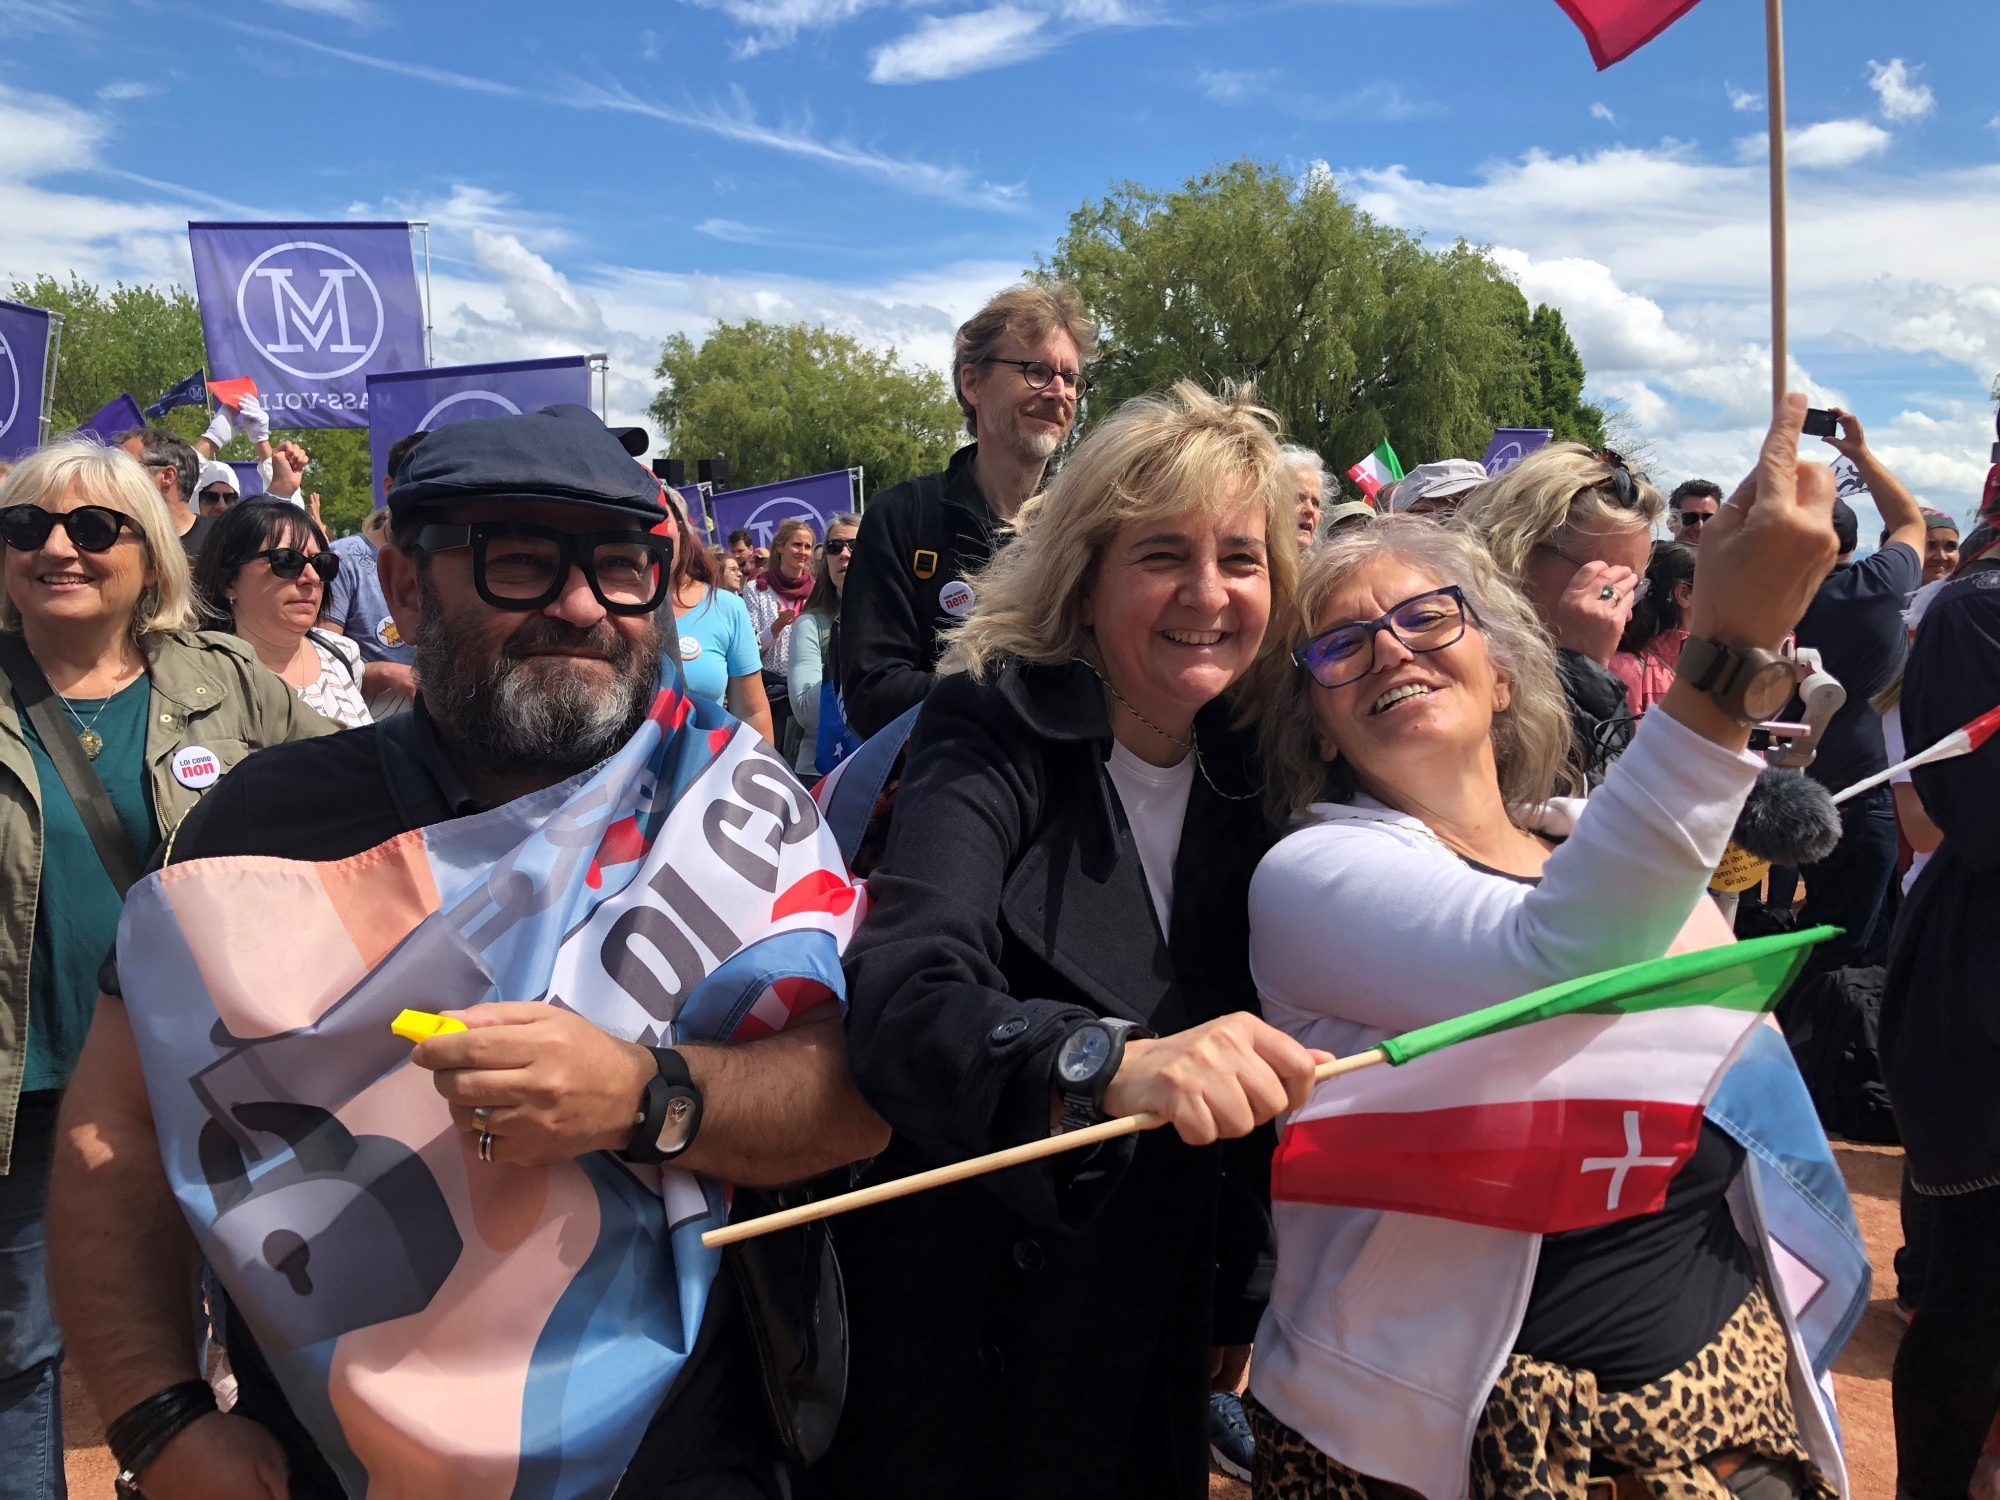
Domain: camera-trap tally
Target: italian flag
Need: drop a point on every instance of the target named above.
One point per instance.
(1376, 470)
(1572, 1106)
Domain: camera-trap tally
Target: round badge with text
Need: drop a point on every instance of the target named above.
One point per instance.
(196, 766)
(690, 648)
(955, 598)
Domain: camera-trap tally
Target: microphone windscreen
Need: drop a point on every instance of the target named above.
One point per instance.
(1789, 819)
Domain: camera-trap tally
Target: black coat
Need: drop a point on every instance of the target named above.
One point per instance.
(1940, 1036)
(1045, 1331)
(889, 616)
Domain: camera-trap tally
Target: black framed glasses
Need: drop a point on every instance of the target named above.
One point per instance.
(839, 546)
(1038, 374)
(516, 566)
(1422, 623)
(288, 563)
(91, 528)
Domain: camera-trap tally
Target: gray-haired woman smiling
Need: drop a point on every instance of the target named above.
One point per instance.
(97, 646)
(1418, 733)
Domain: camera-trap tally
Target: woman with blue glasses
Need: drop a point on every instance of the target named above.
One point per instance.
(1416, 737)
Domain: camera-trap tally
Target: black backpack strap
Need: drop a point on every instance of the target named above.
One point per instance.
(93, 802)
(929, 554)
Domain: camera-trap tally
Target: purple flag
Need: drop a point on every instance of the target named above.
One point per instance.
(119, 414)
(760, 509)
(1512, 444)
(24, 371)
(249, 479)
(410, 401)
(309, 311)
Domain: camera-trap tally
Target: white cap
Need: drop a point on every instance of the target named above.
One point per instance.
(214, 472)
(1438, 481)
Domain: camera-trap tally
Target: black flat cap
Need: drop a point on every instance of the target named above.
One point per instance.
(560, 453)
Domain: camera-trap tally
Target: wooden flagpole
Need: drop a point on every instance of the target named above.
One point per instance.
(1774, 93)
(979, 1166)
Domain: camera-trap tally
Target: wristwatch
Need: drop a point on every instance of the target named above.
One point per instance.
(1746, 683)
(669, 1115)
(1086, 1062)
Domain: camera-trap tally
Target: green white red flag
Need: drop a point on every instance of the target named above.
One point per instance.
(1572, 1106)
(1377, 469)
(1615, 29)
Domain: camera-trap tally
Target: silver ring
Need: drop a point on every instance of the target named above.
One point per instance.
(486, 1145)
(481, 1115)
(1607, 592)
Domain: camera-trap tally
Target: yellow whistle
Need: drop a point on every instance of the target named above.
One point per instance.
(421, 1025)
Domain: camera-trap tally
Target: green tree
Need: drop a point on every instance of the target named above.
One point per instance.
(1555, 383)
(1352, 329)
(140, 340)
(780, 400)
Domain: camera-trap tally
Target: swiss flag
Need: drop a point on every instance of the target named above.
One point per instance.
(1616, 29)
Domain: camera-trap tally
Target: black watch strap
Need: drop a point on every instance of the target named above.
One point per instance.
(1084, 1106)
(669, 1111)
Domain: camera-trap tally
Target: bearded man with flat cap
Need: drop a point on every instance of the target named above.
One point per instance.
(469, 1266)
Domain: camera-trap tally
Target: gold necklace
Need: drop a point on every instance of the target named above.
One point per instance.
(86, 734)
(1187, 744)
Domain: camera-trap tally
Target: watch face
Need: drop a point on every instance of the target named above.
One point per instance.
(678, 1122)
(1083, 1054)
(1768, 691)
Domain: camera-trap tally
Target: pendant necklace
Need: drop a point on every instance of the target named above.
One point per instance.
(1187, 744)
(86, 734)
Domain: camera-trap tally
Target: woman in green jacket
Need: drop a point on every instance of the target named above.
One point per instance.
(96, 606)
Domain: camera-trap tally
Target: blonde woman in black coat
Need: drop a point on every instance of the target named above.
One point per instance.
(1059, 935)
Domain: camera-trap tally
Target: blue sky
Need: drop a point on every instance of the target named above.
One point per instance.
(600, 173)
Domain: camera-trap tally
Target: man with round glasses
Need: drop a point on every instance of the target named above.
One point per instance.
(1017, 370)
(521, 562)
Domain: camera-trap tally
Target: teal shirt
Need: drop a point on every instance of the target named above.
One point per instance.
(76, 915)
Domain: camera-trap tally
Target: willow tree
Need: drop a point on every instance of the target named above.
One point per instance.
(1353, 330)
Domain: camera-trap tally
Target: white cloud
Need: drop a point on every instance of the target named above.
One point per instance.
(1831, 143)
(1272, 89)
(1742, 100)
(1614, 329)
(777, 23)
(1235, 85)
(731, 232)
(360, 12)
(125, 88)
(19, 16)
(1602, 111)
(1903, 98)
(952, 46)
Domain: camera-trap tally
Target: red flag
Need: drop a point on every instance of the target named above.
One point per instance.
(231, 392)
(1616, 29)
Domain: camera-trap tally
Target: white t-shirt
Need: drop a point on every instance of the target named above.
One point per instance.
(1892, 737)
(1155, 800)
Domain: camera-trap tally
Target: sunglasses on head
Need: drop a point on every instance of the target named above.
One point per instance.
(288, 563)
(91, 528)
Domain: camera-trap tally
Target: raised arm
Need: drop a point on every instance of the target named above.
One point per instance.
(1900, 512)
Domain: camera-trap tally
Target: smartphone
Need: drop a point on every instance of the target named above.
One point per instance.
(1821, 424)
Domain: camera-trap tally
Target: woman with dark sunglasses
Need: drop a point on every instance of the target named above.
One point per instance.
(95, 606)
(263, 575)
(813, 676)
(1416, 740)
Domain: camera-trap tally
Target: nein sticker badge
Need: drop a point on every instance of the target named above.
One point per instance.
(387, 633)
(196, 766)
(955, 598)
(690, 648)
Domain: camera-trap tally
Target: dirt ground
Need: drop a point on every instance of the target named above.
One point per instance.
(1861, 1379)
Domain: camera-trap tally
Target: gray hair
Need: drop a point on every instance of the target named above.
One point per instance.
(1297, 456)
(1532, 742)
(110, 477)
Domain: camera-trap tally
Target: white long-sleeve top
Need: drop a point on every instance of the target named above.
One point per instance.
(1386, 1331)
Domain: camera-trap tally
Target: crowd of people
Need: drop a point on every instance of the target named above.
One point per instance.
(1196, 774)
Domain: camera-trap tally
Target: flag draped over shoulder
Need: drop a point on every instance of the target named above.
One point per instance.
(441, 1325)
(1615, 29)
(1573, 1106)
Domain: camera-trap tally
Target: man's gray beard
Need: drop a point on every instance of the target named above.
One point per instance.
(554, 720)
(1037, 447)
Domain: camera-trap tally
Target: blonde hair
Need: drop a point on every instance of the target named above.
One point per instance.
(113, 478)
(1532, 743)
(1030, 314)
(1555, 488)
(1156, 456)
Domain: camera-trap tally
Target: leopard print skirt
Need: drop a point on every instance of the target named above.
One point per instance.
(1544, 1423)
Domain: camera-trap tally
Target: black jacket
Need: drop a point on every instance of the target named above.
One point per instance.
(1940, 1036)
(916, 538)
(1044, 1331)
(1600, 718)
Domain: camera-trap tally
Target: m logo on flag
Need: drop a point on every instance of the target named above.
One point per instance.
(301, 323)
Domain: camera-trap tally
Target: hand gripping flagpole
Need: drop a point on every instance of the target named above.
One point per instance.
(1774, 87)
(979, 1166)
